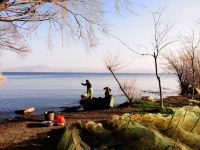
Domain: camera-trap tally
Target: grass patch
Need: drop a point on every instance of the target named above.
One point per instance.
(146, 104)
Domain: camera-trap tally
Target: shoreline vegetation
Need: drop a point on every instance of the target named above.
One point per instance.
(27, 132)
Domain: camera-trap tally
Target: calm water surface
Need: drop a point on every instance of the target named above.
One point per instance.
(49, 91)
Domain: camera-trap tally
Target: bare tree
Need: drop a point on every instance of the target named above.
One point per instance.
(81, 19)
(186, 65)
(112, 64)
(130, 88)
(160, 42)
(178, 64)
(192, 44)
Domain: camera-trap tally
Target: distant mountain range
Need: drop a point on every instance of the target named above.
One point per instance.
(43, 68)
(30, 69)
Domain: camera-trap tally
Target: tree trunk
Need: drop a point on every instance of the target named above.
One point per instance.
(184, 88)
(158, 78)
(129, 99)
(193, 71)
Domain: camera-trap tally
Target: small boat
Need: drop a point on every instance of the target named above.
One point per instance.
(97, 103)
(25, 111)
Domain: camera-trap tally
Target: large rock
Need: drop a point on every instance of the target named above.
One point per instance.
(148, 98)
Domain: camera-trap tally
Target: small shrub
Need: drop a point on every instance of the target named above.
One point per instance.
(146, 104)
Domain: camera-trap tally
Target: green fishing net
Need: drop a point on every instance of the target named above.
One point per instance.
(156, 131)
(179, 131)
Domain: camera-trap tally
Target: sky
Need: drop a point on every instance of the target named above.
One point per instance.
(135, 29)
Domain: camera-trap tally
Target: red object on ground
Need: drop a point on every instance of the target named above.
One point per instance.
(60, 119)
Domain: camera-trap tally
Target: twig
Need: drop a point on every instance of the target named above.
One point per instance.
(170, 121)
(195, 124)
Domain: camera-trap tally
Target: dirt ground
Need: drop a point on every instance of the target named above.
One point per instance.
(29, 133)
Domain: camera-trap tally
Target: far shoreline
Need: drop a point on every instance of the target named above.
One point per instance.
(71, 72)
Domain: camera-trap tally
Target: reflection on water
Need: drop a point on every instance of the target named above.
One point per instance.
(47, 91)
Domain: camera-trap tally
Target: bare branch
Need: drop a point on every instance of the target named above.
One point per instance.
(112, 64)
(186, 65)
(10, 39)
(134, 51)
(79, 19)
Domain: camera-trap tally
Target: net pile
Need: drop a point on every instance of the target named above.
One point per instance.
(156, 131)
(71, 140)
(179, 131)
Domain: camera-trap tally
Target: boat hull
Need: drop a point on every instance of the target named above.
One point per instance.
(97, 103)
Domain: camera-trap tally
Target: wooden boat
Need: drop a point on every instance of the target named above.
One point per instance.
(97, 103)
(25, 111)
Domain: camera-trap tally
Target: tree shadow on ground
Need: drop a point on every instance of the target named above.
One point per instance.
(43, 141)
(35, 125)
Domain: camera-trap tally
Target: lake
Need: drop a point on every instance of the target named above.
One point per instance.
(51, 90)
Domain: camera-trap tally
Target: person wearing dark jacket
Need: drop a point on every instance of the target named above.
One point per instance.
(108, 93)
(89, 89)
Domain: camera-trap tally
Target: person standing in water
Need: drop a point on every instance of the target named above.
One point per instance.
(89, 89)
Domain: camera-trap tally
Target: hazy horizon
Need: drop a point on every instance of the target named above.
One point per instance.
(63, 70)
